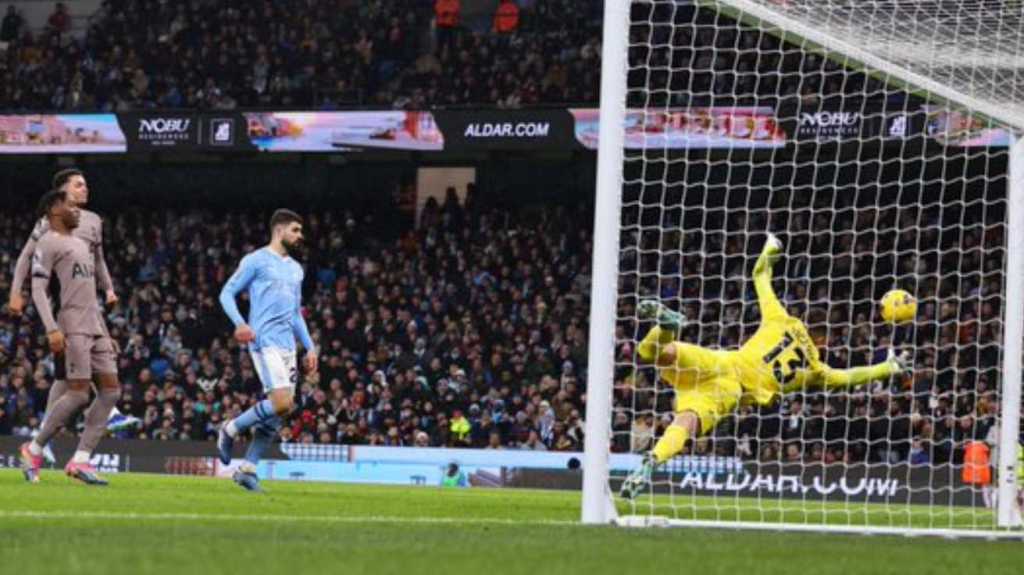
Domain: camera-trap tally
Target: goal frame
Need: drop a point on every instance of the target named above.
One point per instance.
(598, 505)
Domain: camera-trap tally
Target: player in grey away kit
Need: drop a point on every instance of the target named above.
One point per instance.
(79, 337)
(90, 230)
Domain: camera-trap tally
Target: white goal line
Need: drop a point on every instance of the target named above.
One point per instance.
(952, 533)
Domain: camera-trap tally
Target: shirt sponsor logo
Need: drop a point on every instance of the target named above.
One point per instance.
(79, 271)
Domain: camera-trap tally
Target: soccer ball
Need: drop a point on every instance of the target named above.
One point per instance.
(898, 306)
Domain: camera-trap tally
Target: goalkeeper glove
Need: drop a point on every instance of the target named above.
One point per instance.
(901, 362)
(666, 318)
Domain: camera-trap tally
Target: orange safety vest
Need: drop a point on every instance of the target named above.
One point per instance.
(976, 470)
(506, 19)
(447, 13)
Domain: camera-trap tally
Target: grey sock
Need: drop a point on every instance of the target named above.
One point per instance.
(58, 389)
(70, 402)
(96, 418)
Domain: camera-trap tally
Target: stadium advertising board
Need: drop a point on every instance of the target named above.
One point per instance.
(812, 122)
(72, 133)
(482, 130)
(957, 128)
(507, 130)
(341, 131)
(726, 477)
(378, 474)
(399, 130)
(138, 455)
(829, 125)
(900, 484)
(154, 131)
(690, 128)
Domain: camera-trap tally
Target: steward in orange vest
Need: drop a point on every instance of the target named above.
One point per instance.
(976, 469)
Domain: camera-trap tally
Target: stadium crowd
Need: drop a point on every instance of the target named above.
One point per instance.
(205, 54)
(467, 332)
(472, 330)
(294, 53)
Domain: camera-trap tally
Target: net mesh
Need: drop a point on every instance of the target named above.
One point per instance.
(975, 47)
(733, 133)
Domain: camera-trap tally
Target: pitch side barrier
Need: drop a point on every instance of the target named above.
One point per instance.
(548, 129)
(697, 475)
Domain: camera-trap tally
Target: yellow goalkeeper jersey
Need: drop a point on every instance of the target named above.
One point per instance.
(778, 357)
(781, 356)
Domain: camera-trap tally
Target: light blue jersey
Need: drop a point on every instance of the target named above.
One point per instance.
(275, 295)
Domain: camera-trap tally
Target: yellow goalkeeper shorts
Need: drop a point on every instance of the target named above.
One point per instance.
(705, 382)
(710, 399)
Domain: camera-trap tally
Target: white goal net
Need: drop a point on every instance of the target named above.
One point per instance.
(874, 138)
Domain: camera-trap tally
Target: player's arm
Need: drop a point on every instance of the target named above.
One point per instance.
(299, 326)
(42, 267)
(103, 279)
(839, 378)
(301, 331)
(16, 303)
(238, 281)
(771, 307)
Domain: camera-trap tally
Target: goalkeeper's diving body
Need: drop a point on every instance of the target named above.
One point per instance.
(781, 356)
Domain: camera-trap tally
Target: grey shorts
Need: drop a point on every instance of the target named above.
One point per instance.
(88, 355)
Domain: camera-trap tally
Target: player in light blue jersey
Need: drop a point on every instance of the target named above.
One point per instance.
(274, 283)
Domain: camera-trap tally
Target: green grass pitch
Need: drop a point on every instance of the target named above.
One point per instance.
(181, 525)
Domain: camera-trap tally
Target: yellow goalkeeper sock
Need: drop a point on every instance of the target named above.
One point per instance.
(655, 339)
(671, 443)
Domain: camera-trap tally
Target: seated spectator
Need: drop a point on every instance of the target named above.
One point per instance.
(12, 24)
(59, 20)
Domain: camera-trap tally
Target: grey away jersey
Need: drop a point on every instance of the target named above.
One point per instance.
(74, 264)
(90, 230)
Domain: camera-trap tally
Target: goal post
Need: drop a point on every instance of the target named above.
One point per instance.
(1013, 340)
(597, 506)
(886, 155)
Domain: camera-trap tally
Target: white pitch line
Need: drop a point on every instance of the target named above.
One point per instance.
(26, 514)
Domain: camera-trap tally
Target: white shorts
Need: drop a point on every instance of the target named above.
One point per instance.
(275, 367)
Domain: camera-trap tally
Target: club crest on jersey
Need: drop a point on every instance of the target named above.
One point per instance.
(81, 271)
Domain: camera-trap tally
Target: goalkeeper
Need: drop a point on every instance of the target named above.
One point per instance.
(781, 356)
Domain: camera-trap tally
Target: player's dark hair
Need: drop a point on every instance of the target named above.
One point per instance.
(62, 177)
(284, 217)
(50, 199)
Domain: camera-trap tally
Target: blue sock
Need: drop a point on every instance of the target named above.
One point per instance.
(261, 413)
(262, 436)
